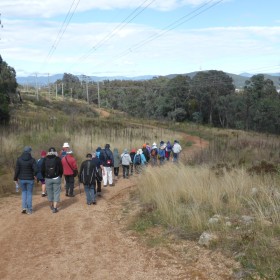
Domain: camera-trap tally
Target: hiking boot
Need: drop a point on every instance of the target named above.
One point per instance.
(98, 193)
(105, 186)
(94, 202)
(51, 207)
(29, 212)
(23, 211)
(71, 195)
(111, 185)
(88, 203)
(66, 194)
(43, 195)
(55, 210)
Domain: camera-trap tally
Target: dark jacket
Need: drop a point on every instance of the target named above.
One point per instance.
(58, 166)
(87, 172)
(146, 154)
(39, 168)
(26, 167)
(106, 158)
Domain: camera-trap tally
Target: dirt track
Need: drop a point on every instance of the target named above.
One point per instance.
(92, 242)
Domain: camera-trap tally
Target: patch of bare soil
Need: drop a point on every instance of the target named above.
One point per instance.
(92, 242)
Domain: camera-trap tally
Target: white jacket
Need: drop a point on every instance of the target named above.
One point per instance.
(126, 159)
(176, 148)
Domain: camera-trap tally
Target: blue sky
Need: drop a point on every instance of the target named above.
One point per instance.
(105, 38)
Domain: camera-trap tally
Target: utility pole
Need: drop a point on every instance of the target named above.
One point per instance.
(55, 91)
(98, 95)
(71, 94)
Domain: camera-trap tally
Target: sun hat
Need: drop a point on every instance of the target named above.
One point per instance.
(43, 153)
(65, 145)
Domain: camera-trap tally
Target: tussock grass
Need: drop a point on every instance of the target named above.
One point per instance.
(184, 198)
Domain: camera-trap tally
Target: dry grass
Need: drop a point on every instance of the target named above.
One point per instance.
(184, 198)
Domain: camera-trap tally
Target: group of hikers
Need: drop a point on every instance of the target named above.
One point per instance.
(98, 166)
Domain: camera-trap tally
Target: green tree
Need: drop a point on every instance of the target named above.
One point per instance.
(8, 86)
(208, 87)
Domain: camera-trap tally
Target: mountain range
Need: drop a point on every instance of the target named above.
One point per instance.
(239, 80)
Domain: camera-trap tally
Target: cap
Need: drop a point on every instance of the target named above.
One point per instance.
(52, 149)
(65, 145)
(43, 153)
(27, 149)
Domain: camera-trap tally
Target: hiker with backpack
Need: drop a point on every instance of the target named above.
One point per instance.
(126, 161)
(132, 155)
(176, 150)
(117, 160)
(161, 152)
(154, 154)
(25, 172)
(139, 161)
(146, 152)
(107, 163)
(87, 178)
(70, 171)
(52, 171)
(98, 175)
(168, 150)
(39, 175)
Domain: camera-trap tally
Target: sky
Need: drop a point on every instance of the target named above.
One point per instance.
(140, 37)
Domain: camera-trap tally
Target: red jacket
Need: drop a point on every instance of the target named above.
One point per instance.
(67, 170)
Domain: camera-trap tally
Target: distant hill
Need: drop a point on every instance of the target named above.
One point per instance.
(239, 80)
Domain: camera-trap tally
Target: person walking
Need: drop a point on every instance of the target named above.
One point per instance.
(168, 150)
(126, 161)
(98, 176)
(117, 160)
(87, 178)
(154, 154)
(25, 172)
(176, 150)
(132, 155)
(146, 152)
(52, 171)
(161, 152)
(39, 175)
(65, 149)
(139, 161)
(107, 162)
(70, 170)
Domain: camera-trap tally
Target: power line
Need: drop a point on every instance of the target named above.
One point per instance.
(62, 30)
(172, 26)
(119, 27)
(189, 16)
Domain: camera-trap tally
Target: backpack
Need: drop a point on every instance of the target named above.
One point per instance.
(108, 159)
(153, 152)
(137, 159)
(51, 171)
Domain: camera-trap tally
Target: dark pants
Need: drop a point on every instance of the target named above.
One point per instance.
(131, 168)
(98, 184)
(116, 171)
(125, 171)
(69, 186)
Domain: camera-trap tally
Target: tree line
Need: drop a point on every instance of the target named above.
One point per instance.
(209, 97)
